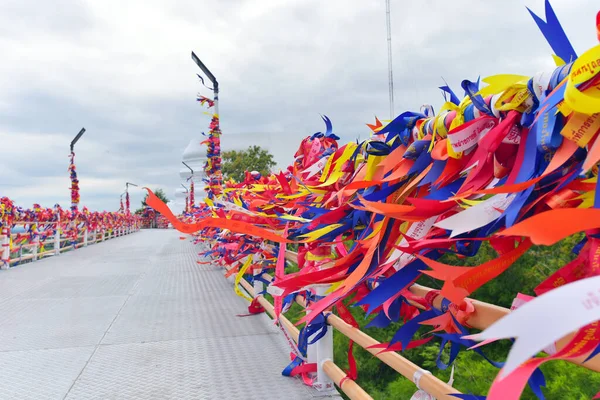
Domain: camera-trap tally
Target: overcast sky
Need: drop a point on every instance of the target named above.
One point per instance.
(122, 69)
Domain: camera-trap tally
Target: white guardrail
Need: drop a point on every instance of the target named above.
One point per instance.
(37, 240)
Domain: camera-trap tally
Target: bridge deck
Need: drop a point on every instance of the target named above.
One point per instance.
(135, 318)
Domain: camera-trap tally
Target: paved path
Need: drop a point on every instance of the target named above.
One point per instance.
(135, 318)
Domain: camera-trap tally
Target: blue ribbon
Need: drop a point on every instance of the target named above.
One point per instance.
(554, 34)
(317, 327)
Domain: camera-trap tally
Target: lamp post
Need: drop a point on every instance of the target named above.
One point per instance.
(215, 179)
(79, 135)
(211, 77)
(73, 173)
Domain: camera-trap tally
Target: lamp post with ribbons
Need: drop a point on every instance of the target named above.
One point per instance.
(73, 173)
(214, 172)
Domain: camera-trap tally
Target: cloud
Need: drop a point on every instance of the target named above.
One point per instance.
(123, 70)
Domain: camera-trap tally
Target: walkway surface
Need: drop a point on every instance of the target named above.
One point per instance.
(135, 318)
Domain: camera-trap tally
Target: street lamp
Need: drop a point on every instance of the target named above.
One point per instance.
(211, 77)
(190, 168)
(73, 173)
(79, 135)
(215, 128)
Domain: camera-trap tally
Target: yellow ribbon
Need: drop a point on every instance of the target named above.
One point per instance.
(586, 67)
(239, 276)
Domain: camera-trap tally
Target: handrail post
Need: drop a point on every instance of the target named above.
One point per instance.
(5, 248)
(257, 272)
(103, 234)
(311, 349)
(57, 237)
(85, 236)
(36, 242)
(324, 351)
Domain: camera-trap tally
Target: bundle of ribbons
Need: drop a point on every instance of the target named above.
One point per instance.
(212, 167)
(74, 183)
(148, 217)
(514, 162)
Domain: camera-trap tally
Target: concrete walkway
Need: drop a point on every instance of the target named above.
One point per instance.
(135, 318)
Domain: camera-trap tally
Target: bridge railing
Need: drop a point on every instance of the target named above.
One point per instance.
(485, 315)
(28, 241)
(328, 373)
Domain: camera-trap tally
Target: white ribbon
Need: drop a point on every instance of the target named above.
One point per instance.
(316, 167)
(476, 216)
(545, 319)
(417, 230)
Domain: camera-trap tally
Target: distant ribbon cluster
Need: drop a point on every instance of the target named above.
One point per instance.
(41, 223)
(512, 163)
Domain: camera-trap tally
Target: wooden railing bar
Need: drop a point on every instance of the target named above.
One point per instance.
(485, 315)
(429, 383)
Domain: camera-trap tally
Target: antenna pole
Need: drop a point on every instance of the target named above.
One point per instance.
(389, 46)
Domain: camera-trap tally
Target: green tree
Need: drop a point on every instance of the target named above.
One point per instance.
(159, 193)
(255, 158)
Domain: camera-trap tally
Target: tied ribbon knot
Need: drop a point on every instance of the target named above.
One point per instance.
(298, 366)
(254, 308)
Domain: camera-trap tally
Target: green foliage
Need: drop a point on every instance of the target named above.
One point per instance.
(255, 158)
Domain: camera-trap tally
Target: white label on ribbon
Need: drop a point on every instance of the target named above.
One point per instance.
(545, 319)
(468, 137)
(513, 136)
(541, 82)
(316, 167)
(476, 216)
(417, 230)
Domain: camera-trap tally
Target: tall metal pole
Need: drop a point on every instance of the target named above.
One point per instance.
(389, 46)
(190, 168)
